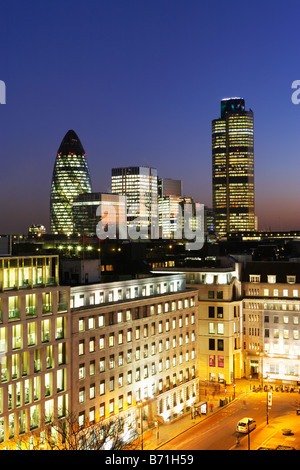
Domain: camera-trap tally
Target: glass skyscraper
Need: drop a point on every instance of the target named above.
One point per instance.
(70, 178)
(233, 168)
(139, 185)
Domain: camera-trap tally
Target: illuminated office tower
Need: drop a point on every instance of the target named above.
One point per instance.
(139, 185)
(35, 342)
(233, 168)
(99, 210)
(70, 178)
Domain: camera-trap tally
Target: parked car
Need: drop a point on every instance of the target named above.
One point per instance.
(246, 424)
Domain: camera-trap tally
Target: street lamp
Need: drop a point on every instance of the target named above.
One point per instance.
(140, 405)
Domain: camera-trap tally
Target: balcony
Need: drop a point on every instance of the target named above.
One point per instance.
(62, 306)
(47, 308)
(31, 311)
(14, 314)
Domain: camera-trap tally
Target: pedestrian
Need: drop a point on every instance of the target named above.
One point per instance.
(211, 407)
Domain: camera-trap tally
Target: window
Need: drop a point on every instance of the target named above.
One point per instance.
(102, 342)
(32, 333)
(220, 312)
(211, 312)
(271, 279)
(81, 347)
(211, 344)
(254, 278)
(59, 334)
(81, 324)
(111, 340)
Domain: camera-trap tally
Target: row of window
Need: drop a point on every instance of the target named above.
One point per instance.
(217, 311)
(111, 340)
(148, 369)
(113, 406)
(19, 365)
(110, 385)
(285, 334)
(116, 295)
(291, 279)
(274, 293)
(32, 307)
(30, 390)
(24, 421)
(112, 318)
(28, 335)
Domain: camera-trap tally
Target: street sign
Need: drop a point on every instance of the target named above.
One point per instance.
(269, 399)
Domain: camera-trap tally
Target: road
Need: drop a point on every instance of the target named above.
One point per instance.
(218, 431)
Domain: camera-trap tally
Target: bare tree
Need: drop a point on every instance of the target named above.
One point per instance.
(67, 434)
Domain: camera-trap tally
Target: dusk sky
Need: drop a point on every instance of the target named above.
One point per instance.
(140, 82)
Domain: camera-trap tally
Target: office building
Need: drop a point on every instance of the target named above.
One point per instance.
(139, 185)
(219, 319)
(134, 351)
(169, 187)
(70, 178)
(103, 210)
(271, 321)
(35, 334)
(233, 168)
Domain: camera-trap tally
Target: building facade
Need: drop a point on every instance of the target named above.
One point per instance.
(70, 178)
(219, 335)
(233, 168)
(271, 316)
(101, 213)
(134, 351)
(35, 334)
(140, 186)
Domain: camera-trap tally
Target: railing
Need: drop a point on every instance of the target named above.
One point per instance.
(62, 306)
(14, 314)
(47, 308)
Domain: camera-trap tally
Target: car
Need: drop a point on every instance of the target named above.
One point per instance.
(246, 424)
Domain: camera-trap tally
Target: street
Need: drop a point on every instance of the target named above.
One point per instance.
(218, 431)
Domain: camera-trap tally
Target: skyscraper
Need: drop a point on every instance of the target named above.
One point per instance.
(139, 185)
(70, 178)
(233, 168)
(87, 218)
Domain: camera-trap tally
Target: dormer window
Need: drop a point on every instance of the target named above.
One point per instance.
(291, 279)
(271, 279)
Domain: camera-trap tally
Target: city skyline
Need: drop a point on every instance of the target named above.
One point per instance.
(140, 85)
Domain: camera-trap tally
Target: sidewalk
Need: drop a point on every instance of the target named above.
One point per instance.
(168, 431)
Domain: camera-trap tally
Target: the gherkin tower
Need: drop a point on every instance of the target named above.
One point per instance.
(70, 178)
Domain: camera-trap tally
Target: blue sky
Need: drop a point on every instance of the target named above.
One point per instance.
(140, 82)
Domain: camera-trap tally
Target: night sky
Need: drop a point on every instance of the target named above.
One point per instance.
(140, 82)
